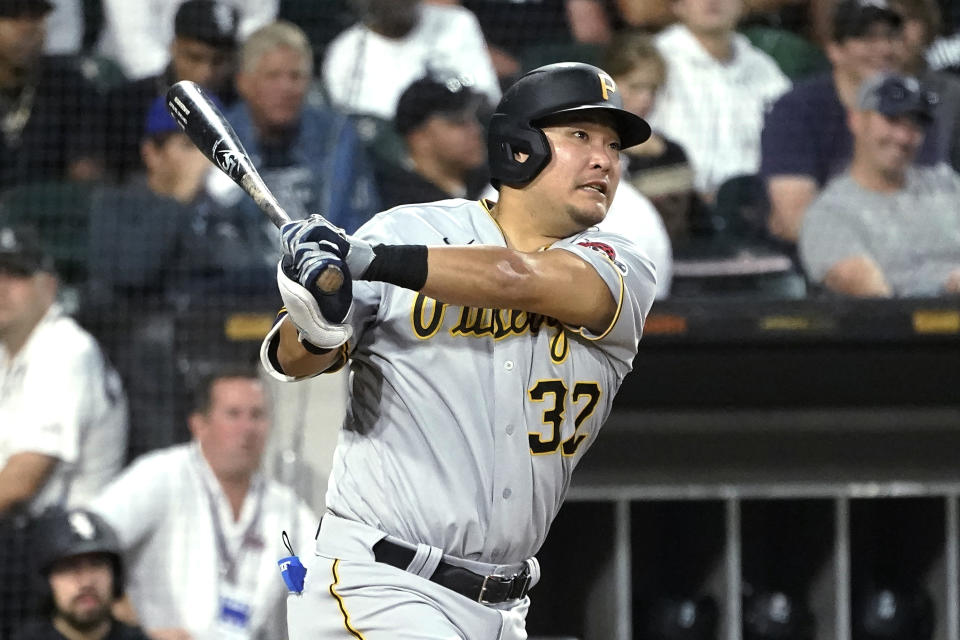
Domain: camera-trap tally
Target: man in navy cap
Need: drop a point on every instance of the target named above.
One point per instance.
(159, 235)
(203, 50)
(438, 119)
(887, 227)
(798, 158)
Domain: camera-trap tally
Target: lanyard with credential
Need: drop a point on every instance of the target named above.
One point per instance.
(230, 561)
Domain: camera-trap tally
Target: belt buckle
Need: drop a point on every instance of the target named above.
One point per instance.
(521, 580)
(483, 588)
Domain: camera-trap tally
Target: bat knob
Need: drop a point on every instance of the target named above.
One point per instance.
(330, 280)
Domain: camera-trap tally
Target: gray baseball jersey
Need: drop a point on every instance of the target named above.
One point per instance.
(465, 424)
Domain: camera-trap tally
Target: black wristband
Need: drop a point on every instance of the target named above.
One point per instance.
(404, 265)
(310, 347)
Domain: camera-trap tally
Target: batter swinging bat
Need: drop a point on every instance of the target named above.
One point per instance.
(206, 126)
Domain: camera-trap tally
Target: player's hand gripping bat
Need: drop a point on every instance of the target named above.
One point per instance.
(210, 131)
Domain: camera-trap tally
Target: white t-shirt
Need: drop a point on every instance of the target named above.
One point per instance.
(632, 215)
(162, 507)
(715, 109)
(60, 397)
(365, 73)
(137, 33)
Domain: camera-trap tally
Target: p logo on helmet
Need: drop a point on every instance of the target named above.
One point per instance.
(607, 85)
(560, 88)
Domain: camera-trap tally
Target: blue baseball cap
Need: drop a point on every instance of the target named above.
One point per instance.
(895, 95)
(159, 121)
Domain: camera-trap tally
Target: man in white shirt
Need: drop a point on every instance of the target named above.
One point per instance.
(200, 526)
(63, 414)
(718, 89)
(138, 34)
(369, 65)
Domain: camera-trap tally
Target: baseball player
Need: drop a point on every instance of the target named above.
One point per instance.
(487, 343)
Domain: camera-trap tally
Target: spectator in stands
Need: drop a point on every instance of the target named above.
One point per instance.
(659, 167)
(887, 227)
(203, 50)
(806, 140)
(137, 35)
(200, 526)
(944, 53)
(80, 576)
(160, 237)
(66, 26)
(717, 89)
(507, 25)
(369, 65)
(50, 115)
(921, 23)
(63, 415)
(438, 120)
(310, 156)
(632, 215)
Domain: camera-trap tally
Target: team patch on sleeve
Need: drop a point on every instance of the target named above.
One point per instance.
(606, 250)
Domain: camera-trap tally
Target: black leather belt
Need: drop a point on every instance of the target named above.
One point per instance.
(482, 589)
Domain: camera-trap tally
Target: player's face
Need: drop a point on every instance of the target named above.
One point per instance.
(583, 173)
(232, 433)
(876, 51)
(276, 87)
(638, 88)
(709, 16)
(202, 63)
(24, 299)
(82, 589)
(888, 144)
(21, 40)
(457, 140)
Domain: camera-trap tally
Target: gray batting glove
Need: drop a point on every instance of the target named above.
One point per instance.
(315, 232)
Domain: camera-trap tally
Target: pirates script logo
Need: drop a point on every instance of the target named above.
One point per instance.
(227, 159)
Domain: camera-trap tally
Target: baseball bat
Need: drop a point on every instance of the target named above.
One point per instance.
(213, 135)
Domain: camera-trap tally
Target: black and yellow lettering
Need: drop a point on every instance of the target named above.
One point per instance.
(426, 316)
(559, 347)
(552, 416)
(592, 391)
(607, 85)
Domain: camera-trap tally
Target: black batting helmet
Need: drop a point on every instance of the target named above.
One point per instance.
(65, 533)
(564, 87)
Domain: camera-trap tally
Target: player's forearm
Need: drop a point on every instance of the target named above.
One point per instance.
(557, 284)
(295, 360)
(490, 277)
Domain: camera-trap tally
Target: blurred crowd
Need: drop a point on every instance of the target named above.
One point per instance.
(800, 148)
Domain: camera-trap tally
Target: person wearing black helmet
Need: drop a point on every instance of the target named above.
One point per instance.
(488, 341)
(80, 576)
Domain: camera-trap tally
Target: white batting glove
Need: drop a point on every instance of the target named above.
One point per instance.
(304, 311)
(315, 233)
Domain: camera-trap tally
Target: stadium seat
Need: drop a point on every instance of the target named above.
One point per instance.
(796, 56)
(59, 211)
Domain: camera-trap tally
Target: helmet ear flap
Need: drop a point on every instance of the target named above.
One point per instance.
(506, 138)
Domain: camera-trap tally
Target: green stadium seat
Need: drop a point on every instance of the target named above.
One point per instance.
(59, 211)
(796, 56)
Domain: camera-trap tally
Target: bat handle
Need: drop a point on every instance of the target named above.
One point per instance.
(330, 279)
